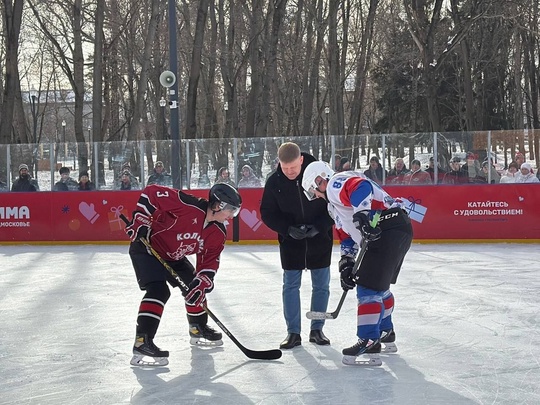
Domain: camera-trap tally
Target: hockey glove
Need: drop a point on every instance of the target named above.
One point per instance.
(346, 266)
(199, 287)
(361, 222)
(139, 226)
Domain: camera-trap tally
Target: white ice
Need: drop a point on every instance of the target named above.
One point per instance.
(467, 320)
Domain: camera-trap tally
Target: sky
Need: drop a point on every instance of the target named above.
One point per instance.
(467, 321)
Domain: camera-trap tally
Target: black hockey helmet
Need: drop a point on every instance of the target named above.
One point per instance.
(227, 196)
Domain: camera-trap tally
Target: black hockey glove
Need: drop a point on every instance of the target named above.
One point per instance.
(311, 231)
(201, 285)
(138, 227)
(361, 222)
(346, 265)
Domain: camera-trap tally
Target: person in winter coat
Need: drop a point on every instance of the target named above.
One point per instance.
(84, 182)
(527, 175)
(455, 175)
(24, 182)
(66, 183)
(397, 174)
(511, 175)
(249, 180)
(304, 231)
(375, 170)
(224, 176)
(160, 176)
(416, 177)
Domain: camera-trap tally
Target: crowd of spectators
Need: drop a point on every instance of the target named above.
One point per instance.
(470, 171)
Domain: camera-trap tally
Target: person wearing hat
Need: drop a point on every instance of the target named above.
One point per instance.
(456, 175)
(84, 182)
(494, 177)
(24, 182)
(375, 170)
(431, 170)
(527, 175)
(519, 158)
(416, 176)
(66, 183)
(473, 169)
(512, 174)
(126, 181)
(160, 176)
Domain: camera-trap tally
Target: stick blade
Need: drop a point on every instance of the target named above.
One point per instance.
(273, 354)
(319, 315)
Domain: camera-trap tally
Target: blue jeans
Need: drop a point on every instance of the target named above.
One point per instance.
(320, 292)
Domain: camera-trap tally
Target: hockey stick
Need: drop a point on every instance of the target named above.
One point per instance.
(273, 354)
(333, 315)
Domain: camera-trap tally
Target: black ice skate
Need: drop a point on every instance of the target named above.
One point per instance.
(364, 353)
(204, 335)
(388, 338)
(147, 354)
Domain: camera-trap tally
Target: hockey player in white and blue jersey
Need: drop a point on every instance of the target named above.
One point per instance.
(353, 201)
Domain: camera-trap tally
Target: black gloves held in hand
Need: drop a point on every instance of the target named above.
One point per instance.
(302, 231)
(361, 222)
(346, 266)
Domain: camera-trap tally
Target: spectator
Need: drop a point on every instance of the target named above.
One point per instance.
(337, 162)
(519, 158)
(345, 164)
(526, 175)
(456, 175)
(397, 174)
(127, 182)
(224, 177)
(84, 182)
(431, 170)
(375, 170)
(304, 231)
(416, 176)
(24, 182)
(473, 169)
(487, 167)
(160, 176)
(66, 183)
(511, 174)
(248, 180)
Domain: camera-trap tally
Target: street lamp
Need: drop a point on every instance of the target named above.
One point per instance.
(64, 137)
(162, 104)
(327, 111)
(33, 98)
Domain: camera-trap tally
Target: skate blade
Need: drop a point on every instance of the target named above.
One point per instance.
(140, 360)
(196, 341)
(388, 348)
(365, 360)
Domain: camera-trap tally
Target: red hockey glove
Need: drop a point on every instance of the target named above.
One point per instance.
(139, 226)
(199, 287)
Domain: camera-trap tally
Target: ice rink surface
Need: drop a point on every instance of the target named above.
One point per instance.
(467, 321)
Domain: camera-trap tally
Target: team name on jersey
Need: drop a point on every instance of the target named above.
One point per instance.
(191, 236)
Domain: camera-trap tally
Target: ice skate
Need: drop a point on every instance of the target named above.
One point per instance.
(204, 335)
(388, 339)
(364, 353)
(147, 354)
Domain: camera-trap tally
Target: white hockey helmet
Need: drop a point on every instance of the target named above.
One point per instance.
(314, 170)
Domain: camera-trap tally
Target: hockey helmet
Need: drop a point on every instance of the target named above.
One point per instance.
(314, 170)
(227, 196)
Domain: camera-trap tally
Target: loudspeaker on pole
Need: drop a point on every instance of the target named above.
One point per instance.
(167, 78)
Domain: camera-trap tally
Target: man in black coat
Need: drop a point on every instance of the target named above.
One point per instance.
(24, 182)
(304, 231)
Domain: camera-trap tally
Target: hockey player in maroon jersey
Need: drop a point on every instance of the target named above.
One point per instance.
(177, 225)
(353, 201)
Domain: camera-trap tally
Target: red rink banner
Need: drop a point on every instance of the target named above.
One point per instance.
(472, 212)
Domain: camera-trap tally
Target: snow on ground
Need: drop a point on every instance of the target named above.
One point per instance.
(467, 321)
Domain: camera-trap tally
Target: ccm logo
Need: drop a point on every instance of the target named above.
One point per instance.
(388, 216)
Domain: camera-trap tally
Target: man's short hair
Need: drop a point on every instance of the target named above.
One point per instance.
(288, 152)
